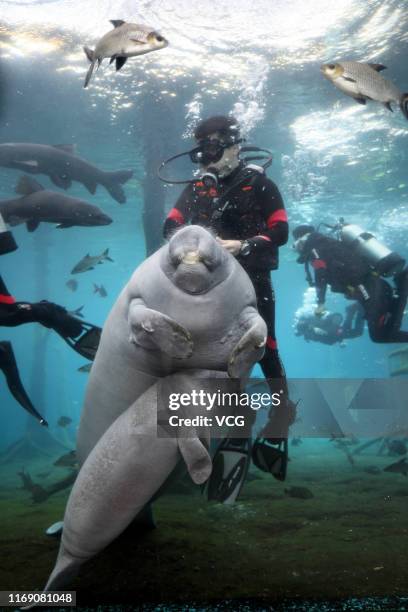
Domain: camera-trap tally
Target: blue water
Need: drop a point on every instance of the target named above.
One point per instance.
(332, 157)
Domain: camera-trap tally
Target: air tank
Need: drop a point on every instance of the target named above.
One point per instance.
(382, 260)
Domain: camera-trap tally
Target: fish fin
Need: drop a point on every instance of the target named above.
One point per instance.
(67, 148)
(388, 105)
(64, 225)
(360, 100)
(96, 288)
(404, 104)
(349, 79)
(61, 181)
(117, 22)
(27, 185)
(378, 67)
(90, 54)
(120, 62)
(137, 41)
(32, 225)
(90, 186)
(112, 59)
(106, 255)
(89, 74)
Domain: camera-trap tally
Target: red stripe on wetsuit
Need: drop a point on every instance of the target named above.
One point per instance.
(176, 215)
(7, 299)
(319, 264)
(279, 216)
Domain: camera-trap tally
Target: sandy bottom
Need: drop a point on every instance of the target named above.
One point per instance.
(349, 540)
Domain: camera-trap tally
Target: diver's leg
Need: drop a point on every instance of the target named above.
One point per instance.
(398, 308)
(9, 368)
(383, 313)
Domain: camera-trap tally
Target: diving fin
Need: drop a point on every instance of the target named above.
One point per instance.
(230, 467)
(87, 343)
(271, 456)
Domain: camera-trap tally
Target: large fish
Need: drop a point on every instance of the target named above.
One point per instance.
(125, 40)
(37, 205)
(363, 82)
(60, 163)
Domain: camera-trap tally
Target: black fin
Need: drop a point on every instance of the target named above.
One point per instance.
(90, 185)
(360, 100)
(106, 255)
(388, 105)
(378, 67)
(61, 181)
(32, 225)
(349, 79)
(117, 22)
(120, 62)
(112, 59)
(27, 185)
(404, 104)
(89, 53)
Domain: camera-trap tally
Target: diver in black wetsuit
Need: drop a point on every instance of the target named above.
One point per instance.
(339, 265)
(330, 328)
(82, 337)
(246, 211)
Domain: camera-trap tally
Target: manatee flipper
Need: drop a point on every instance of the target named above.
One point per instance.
(153, 330)
(196, 458)
(250, 347)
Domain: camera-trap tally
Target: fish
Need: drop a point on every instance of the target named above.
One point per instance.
(43, 474)
(77, 312)
(296, 441)
(61, 164)
(72, 284)
(38, 205)
(67, 460)
(101, 290)
(38, 493)
(299, 492)
(400, 467)
(372, 469)
(64, 421)
(363, 82)
(90, 261)
(85, 368)
(397, 447)
(125, 40)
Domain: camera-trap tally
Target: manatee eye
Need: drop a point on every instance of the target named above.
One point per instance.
(331, 66)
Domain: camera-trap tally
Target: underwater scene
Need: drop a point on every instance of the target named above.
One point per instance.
(203, 305)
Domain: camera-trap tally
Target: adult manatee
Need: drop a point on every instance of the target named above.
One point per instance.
(188, 306)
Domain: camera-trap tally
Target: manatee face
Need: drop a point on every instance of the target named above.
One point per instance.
(194, 261)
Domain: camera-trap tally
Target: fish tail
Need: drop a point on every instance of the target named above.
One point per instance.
(114, 183)
(404, 104)
(106, 255)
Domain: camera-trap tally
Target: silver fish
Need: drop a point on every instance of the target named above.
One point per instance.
(363, 82)
(101, 290)
(125, 40)
(90, 261)
(72, 284)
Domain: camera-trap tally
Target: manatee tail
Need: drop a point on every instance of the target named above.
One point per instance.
(114, 183)
(91, 56)
(404, 104)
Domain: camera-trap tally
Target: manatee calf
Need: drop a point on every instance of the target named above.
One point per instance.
(60, 163)
(189, 305)
(122, 474)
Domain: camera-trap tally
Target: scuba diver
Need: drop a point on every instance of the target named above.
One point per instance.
(236, 199)
(354, 264)
(330, 327)
(79, 335)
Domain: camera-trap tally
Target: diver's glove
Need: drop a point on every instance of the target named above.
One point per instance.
(56, 317)
(320, 310)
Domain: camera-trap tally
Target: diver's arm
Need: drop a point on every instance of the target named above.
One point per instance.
(180, 214)
(320, 276)
(273, 210)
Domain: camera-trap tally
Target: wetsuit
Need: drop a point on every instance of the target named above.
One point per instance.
(12, 314)
(246, 205)
(335, 264)
(329, 329)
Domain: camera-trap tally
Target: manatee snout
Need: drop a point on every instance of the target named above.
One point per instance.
(195, 261)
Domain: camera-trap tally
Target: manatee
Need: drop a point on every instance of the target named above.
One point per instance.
(189, 306)
(126, 469)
